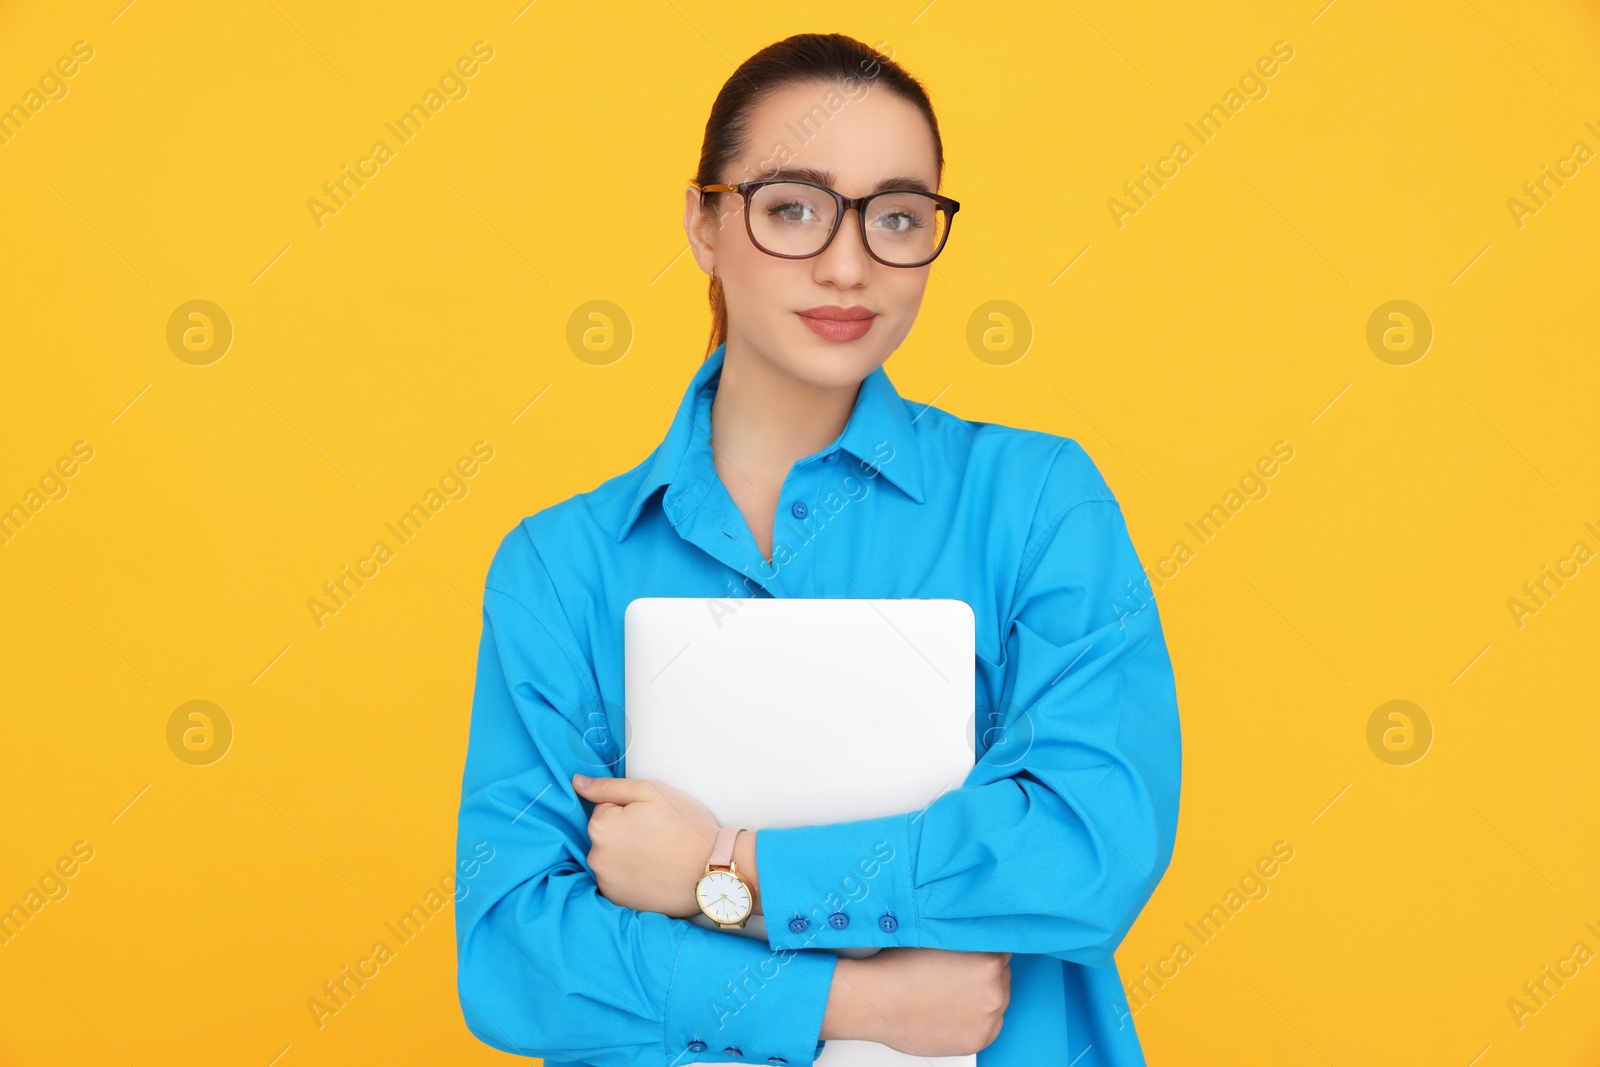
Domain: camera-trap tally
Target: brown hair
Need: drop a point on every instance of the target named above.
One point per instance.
(804, 59)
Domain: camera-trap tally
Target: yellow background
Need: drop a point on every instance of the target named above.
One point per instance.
(368, 354)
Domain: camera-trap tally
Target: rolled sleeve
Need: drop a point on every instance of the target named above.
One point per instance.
(547, 966)
(1055, 841)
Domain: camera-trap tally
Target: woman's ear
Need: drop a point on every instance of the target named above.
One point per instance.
(701, 229)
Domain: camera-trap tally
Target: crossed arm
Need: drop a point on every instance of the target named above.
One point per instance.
(1052, 845)
(649, 844)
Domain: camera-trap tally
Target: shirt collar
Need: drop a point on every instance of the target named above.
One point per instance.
(879, 418)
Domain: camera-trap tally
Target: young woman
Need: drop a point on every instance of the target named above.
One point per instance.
(793, 468)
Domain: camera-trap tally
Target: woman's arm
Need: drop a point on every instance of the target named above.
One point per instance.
(547, 966)
(1057, 838)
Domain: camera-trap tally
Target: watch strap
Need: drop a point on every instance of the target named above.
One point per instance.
(722, 848)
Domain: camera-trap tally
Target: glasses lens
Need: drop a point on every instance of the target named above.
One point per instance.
(791, 219)
(905, 227)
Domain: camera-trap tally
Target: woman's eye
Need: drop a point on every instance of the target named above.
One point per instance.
(794, 211)
(900, 222)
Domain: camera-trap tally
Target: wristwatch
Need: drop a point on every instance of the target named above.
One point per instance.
(723, 894)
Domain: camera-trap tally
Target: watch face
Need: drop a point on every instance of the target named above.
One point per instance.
(723, 896)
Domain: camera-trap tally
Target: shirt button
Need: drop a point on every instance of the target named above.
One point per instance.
(733, 1051)
(798, 925)
(799, 509)
(830, 457)
(888, 924)
(776, 1059)
(697, 1046)
(838, 920)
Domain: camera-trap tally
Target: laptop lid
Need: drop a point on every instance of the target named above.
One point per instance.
(780, 711)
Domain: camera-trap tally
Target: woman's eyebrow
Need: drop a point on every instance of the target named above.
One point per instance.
(825, 177)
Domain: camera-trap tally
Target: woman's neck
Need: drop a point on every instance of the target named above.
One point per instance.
(762, 421)
(763, 418)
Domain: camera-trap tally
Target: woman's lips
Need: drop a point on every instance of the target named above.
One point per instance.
(838, 324)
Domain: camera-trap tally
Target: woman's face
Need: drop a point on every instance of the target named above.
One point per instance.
(875, 135)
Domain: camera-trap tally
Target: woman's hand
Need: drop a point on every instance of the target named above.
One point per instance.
(649, 843)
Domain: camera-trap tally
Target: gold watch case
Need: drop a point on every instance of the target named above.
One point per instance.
(724, 896)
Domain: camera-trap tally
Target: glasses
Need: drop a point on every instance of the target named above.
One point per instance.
(795, 219)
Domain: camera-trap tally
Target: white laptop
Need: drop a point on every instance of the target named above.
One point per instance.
(779, 711)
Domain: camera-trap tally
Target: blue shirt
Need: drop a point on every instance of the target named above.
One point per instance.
(1049, 849)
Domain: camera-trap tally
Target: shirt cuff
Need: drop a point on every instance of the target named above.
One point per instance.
(733, 997)
(838, 885)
